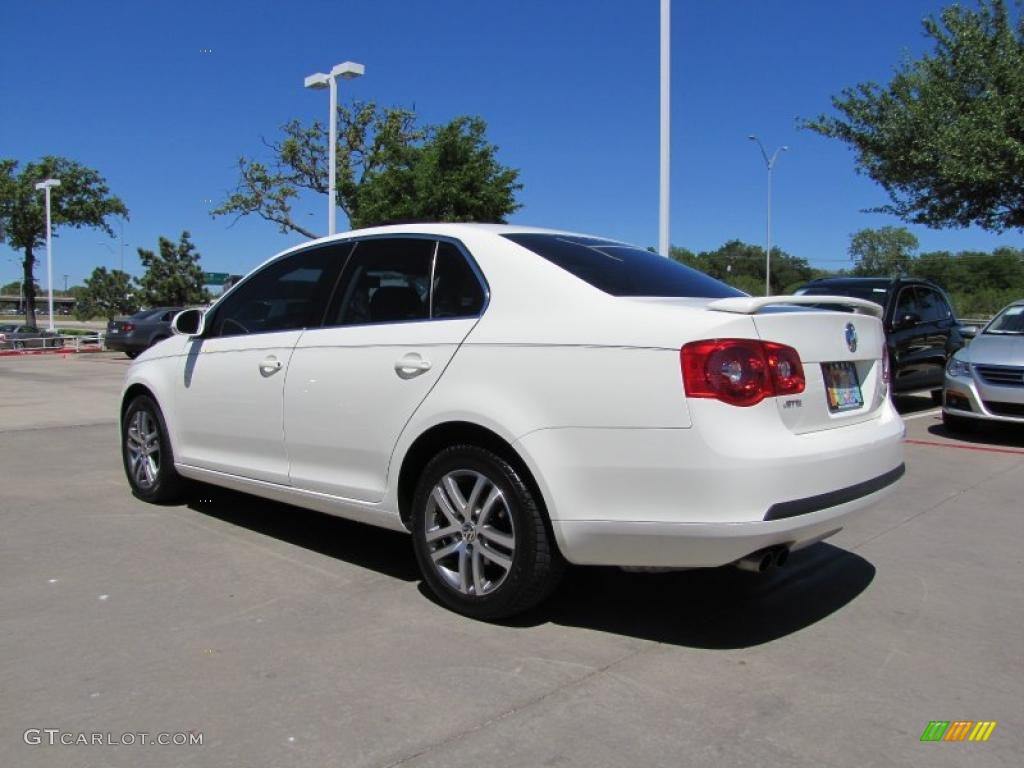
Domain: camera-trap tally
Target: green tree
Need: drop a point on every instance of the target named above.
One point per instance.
(173, 276)
(944, 138)
(105, 294)
(888, 251)
(82, 200)
(388, 169)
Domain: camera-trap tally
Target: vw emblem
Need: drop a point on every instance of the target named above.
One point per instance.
(851, 337)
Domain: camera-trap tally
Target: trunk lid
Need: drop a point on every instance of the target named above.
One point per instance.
(841, 353)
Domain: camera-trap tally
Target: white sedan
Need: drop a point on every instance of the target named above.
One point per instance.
(518, 398)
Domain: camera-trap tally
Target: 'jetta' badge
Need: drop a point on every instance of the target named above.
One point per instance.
(851, 337)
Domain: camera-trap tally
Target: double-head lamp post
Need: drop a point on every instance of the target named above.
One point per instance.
(46, 186)
(346, 70)
(770, 163)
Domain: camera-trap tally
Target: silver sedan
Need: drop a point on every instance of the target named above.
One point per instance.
(985, 380)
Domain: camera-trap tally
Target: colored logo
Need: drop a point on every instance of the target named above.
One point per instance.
(958, 730)
(851, 337)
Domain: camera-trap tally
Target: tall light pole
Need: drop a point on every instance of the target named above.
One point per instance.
(666, 120)
(770, 163)
(46, 186)
(346, 70)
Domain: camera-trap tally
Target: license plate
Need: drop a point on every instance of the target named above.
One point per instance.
(842, 386)
(115, 330)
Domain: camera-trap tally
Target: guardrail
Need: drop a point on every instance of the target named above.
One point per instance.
(91, 342)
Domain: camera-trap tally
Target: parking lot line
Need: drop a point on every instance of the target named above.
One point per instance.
(963, 447)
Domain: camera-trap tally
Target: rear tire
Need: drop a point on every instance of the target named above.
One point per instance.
(146, 453)
(481, 540)
(131, 355)
(959, 424)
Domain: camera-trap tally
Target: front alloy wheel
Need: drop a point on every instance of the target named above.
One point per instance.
(481, 540)
(146, 451)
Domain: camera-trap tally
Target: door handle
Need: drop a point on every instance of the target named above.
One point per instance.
(270, 366)
(411, 365)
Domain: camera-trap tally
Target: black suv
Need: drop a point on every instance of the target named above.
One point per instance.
(920, 328)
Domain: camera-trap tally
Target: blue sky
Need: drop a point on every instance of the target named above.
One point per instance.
(569, 90)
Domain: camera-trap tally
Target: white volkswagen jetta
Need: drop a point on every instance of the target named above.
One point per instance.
(517, 398)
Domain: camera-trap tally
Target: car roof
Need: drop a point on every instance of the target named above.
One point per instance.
(871, 281)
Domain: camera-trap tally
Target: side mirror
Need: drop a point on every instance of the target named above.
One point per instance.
(189, 322)
(969, 331)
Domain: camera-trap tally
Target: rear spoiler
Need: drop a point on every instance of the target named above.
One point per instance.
(751, 305)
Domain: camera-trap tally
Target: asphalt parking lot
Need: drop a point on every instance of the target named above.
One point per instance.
(285, 637)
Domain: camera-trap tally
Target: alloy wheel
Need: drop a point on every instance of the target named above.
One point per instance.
(142, 441)
(469, 532)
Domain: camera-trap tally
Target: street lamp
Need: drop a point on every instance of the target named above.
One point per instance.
(346, 70)
(46, 186)
(770, 163)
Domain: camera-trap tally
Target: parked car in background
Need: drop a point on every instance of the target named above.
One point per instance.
(15, 336)
(921, 331)
(134, 335)
(985, 381)
(517, 398)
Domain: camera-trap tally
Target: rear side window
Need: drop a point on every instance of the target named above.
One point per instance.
(386, 280)
(457, 291)
(623, 270)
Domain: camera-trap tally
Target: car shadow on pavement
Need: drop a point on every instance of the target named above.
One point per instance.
(367, 546)
(985, 434)
(714, 608)
(720, 608)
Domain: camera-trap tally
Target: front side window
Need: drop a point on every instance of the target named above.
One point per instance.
(288, 294)
(623, 270)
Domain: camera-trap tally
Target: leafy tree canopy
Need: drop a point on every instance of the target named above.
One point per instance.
(105, 294)
(945, 138)
(742, 265)
(388, 169)
(173, 276)
(82, 200)
(887, 251)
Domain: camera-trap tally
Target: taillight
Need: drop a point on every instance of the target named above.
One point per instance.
(740, 371)
(886, 369)
(127, 327)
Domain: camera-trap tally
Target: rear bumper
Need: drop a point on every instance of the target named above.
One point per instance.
(124, 344)
(706, 496)
(703, 545)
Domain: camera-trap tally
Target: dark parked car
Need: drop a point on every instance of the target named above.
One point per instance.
(921, 330)
(15, 336)
(135, 334)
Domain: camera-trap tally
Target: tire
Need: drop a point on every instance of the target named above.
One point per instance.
(131, 355)
(958, 424)
(18, 345)
(146, 453)
(500, 560)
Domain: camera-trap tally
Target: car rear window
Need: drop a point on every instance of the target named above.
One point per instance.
(623, 270)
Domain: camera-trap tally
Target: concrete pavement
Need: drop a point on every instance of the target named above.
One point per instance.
(286, 637)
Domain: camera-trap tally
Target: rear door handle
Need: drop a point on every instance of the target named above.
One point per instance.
(411, 365)
(270, 366)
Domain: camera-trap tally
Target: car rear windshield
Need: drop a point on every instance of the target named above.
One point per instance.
(623, 270)
(878, 294)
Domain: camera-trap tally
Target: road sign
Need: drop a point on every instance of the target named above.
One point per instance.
(215, 278)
